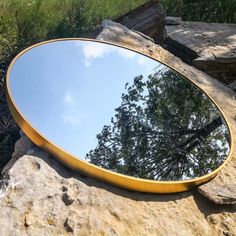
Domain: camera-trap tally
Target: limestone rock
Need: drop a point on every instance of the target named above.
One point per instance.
(210, 47)
(233, 85)
(39, 196)
(170, 20)
(42, 197)
(220, 194)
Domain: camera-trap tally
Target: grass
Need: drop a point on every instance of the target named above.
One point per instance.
(24, 22)
(222, 11)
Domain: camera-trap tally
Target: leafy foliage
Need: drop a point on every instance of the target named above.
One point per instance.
(222, 11)
(7, 142)
(164, 129)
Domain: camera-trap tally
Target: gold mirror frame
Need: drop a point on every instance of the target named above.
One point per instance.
(88, 169)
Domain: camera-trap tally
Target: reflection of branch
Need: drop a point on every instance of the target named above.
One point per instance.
(159, 168)
(153, 134)
(201, 135)
(161, 71)
(167, 170)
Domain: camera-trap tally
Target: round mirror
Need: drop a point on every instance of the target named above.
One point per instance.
(92, 102)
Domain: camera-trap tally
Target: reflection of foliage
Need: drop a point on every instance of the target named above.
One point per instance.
(164, 129)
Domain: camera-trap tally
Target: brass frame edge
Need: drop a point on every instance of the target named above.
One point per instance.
(120, 180)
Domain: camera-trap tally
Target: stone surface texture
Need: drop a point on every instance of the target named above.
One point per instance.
(210, 47)
(39, 196)
(221, 194)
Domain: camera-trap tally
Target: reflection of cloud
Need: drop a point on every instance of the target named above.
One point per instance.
(142, 61)
(99, 50)
(68, 99)
(145, 62)
(70, 120)
(150, 64)
(87, 63)
(68, 115)
(126, 53)
(95, 50)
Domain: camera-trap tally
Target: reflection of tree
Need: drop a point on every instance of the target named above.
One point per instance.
(164, 129)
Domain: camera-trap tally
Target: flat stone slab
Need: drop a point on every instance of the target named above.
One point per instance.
(208, 40)
(219, 194)
(210, 47)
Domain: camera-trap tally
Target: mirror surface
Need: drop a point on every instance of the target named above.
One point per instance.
(119, 110)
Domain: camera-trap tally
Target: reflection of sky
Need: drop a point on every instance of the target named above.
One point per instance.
(69, 89)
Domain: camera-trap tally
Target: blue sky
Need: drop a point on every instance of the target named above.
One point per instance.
(68, 90)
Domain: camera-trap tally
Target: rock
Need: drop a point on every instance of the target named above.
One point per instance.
(219, 194)
(233, 85)
(210, 47)
(170, 20)
(110, 23)
(22, 146)
(42, 197)
(148, 19)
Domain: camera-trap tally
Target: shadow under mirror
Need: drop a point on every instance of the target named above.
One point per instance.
(119, 110)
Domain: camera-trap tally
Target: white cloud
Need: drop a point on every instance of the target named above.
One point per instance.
(126, 53)
(149, 64)
(69, 115)
(87, 63)
(70, 119)
(98, 50)
(68, 99)
(142, 61)
(145, 62)
(95, 50)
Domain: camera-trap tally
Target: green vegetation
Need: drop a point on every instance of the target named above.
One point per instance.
(222, 11)
(26, 22)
